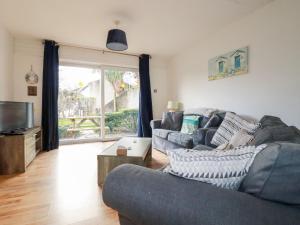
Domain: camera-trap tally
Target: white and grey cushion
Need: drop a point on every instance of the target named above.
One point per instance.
(231, 124)
(224, 169)
(240, 138)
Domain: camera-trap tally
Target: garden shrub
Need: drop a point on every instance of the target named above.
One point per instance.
(126, 118)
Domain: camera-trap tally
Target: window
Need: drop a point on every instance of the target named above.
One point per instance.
(221, 66)
(237, 62)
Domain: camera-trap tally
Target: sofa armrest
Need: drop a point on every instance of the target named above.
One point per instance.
(155, 124)
(148, 197)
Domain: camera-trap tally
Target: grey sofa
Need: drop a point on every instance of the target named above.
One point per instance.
(269, 195)
(146, 197)
(163, 139)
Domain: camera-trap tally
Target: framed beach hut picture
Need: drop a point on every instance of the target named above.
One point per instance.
(227, 65)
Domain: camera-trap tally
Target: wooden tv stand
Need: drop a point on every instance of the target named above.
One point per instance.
(18, 151)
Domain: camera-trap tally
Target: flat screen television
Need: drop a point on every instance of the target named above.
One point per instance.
(16, 116)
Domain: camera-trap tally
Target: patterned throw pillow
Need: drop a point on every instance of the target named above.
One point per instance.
(190, 124)
(240, 138)
(231, 124)
(224, 169)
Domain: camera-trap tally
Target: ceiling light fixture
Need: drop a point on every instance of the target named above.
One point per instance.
(116, 39)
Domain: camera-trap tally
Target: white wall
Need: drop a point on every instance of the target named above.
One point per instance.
(272, 85)
(30, 52)
(6, 63)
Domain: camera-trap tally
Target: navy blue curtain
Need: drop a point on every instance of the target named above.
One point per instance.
(50, 96)
(145, 104)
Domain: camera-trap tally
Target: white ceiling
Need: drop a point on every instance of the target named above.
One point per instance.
(159, 27)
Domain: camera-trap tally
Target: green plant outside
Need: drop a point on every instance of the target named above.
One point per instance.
(124, 120)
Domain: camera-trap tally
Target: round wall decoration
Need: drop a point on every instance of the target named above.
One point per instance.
(31, 77)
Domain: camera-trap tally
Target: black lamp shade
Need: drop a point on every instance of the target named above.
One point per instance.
(116, 40)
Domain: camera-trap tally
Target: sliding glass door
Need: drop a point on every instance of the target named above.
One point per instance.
(121, 91)
(97, 103)
(79, 103)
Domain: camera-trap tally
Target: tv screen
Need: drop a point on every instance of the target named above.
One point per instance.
(16, 115)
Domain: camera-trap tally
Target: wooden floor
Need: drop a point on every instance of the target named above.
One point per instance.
(59, 188)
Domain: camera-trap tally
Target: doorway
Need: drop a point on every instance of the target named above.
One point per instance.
(97, 103)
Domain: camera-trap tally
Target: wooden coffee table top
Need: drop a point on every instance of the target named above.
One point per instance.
(139, 147)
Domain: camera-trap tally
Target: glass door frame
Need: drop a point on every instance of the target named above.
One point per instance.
(102, 68)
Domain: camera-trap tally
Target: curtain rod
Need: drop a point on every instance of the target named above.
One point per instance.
(94, 49)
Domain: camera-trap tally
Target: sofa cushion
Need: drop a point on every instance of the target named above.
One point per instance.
(209, 136)
(203, 121)
(162, 133)
(231, 124)
(271, 121)
(182, 139)
(190, 124)
(214, 121)
(275, 133)
(240, 138)
(275, 174)
(202, 148)
(272, 129)
(224, 169)
(172, 120)
(199, 136)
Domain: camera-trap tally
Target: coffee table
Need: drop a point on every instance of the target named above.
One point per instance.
(139, 154)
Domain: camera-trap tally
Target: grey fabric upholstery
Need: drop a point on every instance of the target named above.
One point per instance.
(203, 147)
(162, 140)
(209, 136)
(275, 133)
(271, 121)
(273, 129)
(214, 121)
(275, 174)
(125, 221)
(172, 121)
(162, 144)
(149, 197)
(203, 121)
(155, 124)
(162, 133)
(181, 139)
(199, 136)
(203, 136)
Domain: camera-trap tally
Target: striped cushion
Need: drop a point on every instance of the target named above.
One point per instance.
(231, 124)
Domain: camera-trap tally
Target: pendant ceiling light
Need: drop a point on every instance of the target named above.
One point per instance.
(116, 39)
